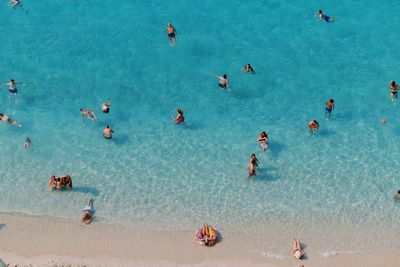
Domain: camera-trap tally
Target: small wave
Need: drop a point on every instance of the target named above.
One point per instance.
(334, 253)
(273, 255)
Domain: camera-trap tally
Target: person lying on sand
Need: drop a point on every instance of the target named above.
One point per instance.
(297, 252)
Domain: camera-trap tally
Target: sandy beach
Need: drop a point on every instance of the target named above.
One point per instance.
(36, 241)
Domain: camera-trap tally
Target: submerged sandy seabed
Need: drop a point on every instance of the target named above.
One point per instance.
(38, 241)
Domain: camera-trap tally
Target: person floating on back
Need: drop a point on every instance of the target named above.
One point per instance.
(330, 105)
(171, 32)
(87, 213)
(313, 126)
(223, 82)
(107, 132)
(85, 112)
(105, 107)
(12, 88)
(6, 118)
(263, 140)
(322, 16)
(248, 69)
(394, 88)
(179, 118)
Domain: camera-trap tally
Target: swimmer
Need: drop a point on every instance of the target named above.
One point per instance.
(6, 118)
(52, 182)
(396, 195)
(330, 105)
(87, 213)
(313, 126)
(14, 3)
(248, 69)
(322, 16)
(85, 112)
(297, 252)
(263, 140)
(105, 107)
(179, 119)
(27, 143)
(107, 132)
(223, 82)
(171, 32)
(12, 88)
(394, 88)
(253, 164)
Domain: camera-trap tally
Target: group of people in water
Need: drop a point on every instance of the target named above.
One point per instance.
(62, 182)
(89, 114)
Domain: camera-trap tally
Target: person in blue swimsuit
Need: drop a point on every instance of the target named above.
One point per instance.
(322, 16)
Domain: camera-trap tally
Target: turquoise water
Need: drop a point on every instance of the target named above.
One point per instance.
(153, 173)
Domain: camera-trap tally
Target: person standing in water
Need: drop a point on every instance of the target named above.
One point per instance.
(322, 16)
(248, 69)
(253, 164)
(394, 88)
(313, 126)
(12, 88)
(171, 32)
(105, 107)
(27, 143)
(107, 132)
(179, 118)
(87, 213)
(330, 105)
(223, 82)
(263, 140)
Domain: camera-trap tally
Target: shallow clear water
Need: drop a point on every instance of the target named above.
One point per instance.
(73, 54)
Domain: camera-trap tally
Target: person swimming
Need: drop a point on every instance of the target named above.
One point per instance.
(85, 112)
(330, 105)
(87, 213)
(248, 69)
(27, 143)
(6, 118)
(313, 126)
(171, 32)
(107, 132)
(223, 82)
(263, 140)
(297, 252)
(14, 3)
(12, 88)
(394, 88)
(322, 16)
(179, 118)
(105, 107)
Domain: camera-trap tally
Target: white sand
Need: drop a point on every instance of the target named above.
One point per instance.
(36, 241)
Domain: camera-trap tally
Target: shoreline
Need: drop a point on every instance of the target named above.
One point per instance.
(42, 241)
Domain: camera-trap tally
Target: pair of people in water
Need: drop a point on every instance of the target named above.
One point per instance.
(91, 115)
(253, 164)
(60, 182)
